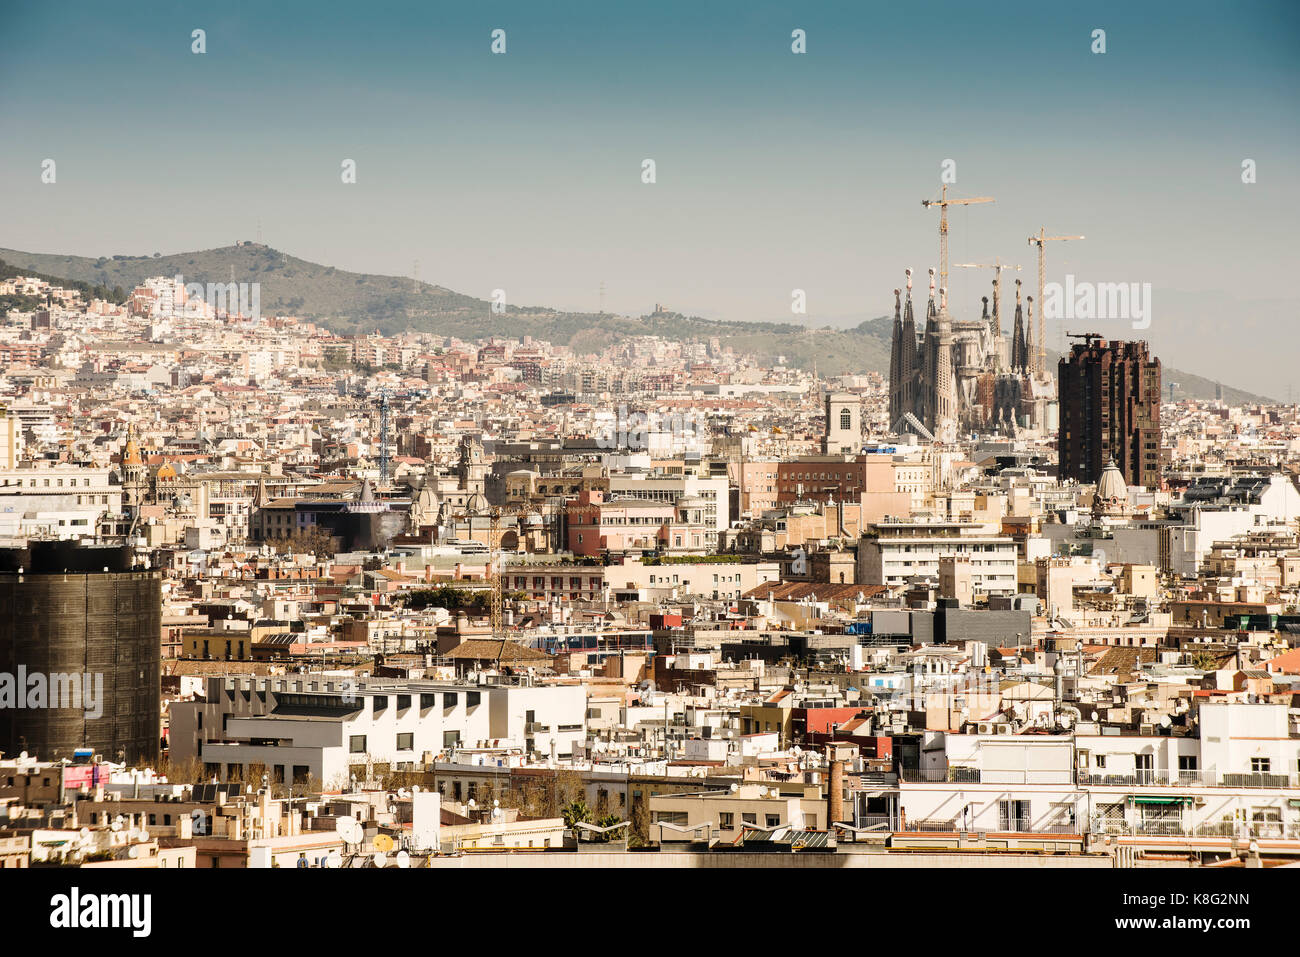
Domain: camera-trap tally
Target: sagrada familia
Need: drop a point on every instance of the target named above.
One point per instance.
(956, 376)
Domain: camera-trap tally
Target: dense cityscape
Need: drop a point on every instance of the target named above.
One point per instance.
(691, 442)
(361, 593)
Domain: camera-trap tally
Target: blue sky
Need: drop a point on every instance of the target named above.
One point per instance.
(775, 171)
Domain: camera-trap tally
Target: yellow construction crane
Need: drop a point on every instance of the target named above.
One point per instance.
(1041, 241)
(943, 202)
(997, 266)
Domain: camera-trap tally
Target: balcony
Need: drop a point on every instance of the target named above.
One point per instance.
(940, 775)
(1239, 830)
(1010, 826)
(1174, 779)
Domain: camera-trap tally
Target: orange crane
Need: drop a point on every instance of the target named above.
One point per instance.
(997, 266)
(1041, 240)
(943, 202)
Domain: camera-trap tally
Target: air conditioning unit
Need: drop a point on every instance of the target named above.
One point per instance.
(1002, 729)
(984, 727)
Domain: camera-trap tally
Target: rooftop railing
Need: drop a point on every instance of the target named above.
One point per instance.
(1166, 778)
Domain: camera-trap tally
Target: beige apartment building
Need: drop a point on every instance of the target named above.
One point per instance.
(720, 815)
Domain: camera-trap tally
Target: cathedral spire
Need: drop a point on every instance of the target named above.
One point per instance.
(896, 361)
(1029, 334)
(1019, 349)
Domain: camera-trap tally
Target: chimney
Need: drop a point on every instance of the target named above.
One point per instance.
(835, 794)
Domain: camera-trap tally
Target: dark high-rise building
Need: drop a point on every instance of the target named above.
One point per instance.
(1109, 410)
(80, 648)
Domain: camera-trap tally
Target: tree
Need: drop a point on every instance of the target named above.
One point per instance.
(640, 830)
(575, 813)
(609, 820)
(315, 540)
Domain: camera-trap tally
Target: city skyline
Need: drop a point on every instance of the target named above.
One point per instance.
(775, 171)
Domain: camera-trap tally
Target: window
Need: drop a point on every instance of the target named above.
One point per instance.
(773, 820)
(846, 420)
(1013, 815)
(357, 744)
(1260, 765)
(1143, 763)
(671, 817)
(749, 819)
(405, 742)
(726, 821)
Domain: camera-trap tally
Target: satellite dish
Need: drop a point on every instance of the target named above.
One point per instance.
(403, 860)
(347, 828)
(471, 803)
(117, 823)
(133, 851)
(1164, 721)
(333, 859)
(84, 834)
(734, 787)
(380, 859)
(383, 844)
(1094, 716)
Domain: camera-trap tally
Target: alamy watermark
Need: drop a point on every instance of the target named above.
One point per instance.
(232, 298)
(1124, 301)
(634, 430)
(37, 691)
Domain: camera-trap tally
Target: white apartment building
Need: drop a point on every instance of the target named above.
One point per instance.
(894, 552)
(1238, 778)
(65, 501)
(10, 439)
(1246, 504)
(669, 488)
(333, 728)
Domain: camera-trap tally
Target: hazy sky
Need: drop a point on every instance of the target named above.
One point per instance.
(775, 171)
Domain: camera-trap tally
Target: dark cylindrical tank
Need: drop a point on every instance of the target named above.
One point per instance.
(92, 638)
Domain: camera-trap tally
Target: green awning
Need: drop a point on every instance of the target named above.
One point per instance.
(1293, 803)
(1143, 799)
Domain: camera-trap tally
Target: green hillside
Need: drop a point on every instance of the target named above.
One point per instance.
(347, 302)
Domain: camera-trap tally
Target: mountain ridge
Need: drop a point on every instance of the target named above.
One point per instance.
(355, 303)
